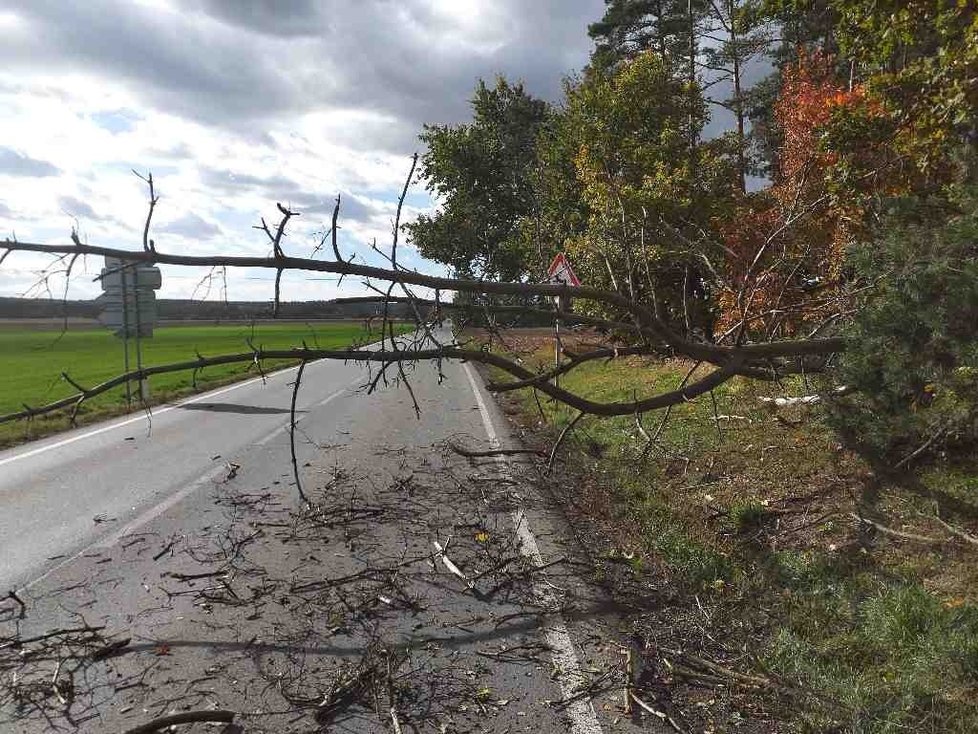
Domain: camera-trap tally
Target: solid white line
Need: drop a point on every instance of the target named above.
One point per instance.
(583, 718)
(134, 419)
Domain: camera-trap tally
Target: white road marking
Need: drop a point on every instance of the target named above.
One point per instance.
(158, 509)
(134, 419)
(583, 718)
(282, 429)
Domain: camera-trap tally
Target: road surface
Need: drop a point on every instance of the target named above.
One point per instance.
(52, 490)
(419, 591)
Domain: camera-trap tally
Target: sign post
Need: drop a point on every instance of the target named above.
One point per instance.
(560, 272)
(128, 305)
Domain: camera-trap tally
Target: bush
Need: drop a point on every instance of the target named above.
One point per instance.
(912, 357)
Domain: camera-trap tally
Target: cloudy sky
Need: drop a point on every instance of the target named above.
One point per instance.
(236, 104)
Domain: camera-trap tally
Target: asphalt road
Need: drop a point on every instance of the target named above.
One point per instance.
(52, 491)
(419, 591)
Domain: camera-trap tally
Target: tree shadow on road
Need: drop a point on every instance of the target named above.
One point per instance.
(235, 408)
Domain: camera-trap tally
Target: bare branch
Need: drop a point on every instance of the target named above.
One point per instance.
(560, 440)
(333, 228)
(148, 244)
(400, 206)
(295, 464)
(187, 717)
(651, 326)
(714, 379)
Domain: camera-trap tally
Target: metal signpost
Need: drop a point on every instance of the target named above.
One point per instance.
(128, 305)
(560, 272)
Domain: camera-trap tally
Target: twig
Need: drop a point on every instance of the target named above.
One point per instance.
(166, 549)
(110, 649)
(560, 440)
(188, 717)
(470, 454)
(20, 642)
(336, 214)
(400, 206)
(895, 533)
(967, 537)
(295, 464)
(923, 447)
(629, 679)
(12, 594)
(655, 712)
(148, 244)
(726, 672)
(451, 566)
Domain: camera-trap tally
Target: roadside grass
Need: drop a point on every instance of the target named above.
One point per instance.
(32, 362)
(748, 515)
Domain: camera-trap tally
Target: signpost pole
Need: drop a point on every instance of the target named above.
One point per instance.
(139, 335)
(557, 346)
(129, 307)
(125, 332)
(560, 272)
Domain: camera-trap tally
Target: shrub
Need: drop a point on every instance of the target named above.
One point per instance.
(912, 357)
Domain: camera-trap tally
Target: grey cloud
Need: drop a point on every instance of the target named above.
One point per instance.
(291, 193)
(13, 163)
(352, 208)
(240, 64)
(289, 18)
(178, 152)
(80, 209)
(357, 210)
(232, 182)
(192, 227)
(6, 211)
(178, 65)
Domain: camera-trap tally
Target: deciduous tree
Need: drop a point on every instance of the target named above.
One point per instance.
(481, 172)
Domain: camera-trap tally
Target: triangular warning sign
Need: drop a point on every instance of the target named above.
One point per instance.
(560, 271)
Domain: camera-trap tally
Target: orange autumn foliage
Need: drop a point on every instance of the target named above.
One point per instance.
(785, 245)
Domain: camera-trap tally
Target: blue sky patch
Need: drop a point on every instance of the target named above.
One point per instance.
(116, 121)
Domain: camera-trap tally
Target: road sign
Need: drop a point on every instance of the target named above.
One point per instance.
(561, 272)
(128, 301)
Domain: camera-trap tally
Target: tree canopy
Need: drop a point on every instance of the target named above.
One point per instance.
(866, 105)
(481, 172)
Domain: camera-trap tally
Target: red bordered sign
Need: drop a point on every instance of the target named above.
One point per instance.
(560, 271)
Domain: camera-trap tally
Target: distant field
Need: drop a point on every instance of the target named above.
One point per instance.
(32, 360)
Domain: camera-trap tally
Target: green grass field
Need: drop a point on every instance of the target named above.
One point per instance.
(31, 363)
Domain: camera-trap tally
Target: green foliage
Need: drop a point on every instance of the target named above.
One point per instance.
(482, 172)
(561, 214)
(628, 28)
(647, 196)
(913, 345)
(920, 60)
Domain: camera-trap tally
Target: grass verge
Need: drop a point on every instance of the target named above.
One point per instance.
(777, 608)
